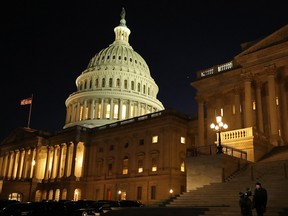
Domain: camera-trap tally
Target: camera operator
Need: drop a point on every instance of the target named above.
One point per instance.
(245, 203)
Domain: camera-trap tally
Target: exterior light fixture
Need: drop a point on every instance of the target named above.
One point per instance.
(219, 127)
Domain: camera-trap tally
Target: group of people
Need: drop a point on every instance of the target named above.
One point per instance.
(258, 202)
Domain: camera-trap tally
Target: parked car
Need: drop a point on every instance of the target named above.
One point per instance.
(130, 203)
(35, 209)
(75, 205)
(98, 207)
(5, 203)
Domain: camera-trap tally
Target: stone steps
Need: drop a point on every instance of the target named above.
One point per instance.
(222, 198)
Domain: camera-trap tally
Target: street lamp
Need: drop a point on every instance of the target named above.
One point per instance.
(171, 193)
(218, 127)
(119, 194)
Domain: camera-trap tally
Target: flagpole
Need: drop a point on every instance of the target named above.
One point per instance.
(30, 110)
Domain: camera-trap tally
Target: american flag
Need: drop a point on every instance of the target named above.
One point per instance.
(26, 101)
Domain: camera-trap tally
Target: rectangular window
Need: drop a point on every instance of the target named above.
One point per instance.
(99, 111)
(125, 166)
(183, 140)
(233, 109)
(141, 142)
(108, 109)
(115, 112)
(154, 165)
(110, 166)
(139, 193)
(154, 139)
(153, 192)
(254, 105)
(81, 113)
(140, 166)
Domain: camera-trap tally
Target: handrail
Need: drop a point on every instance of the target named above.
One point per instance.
(212, 149)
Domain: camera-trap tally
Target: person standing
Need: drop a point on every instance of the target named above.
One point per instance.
(260, 198)
(245, 204)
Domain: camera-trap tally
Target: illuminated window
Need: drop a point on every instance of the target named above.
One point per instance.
(125, 166)
(15, 196)
(154, 165)
(132, 110)
(124, 110)
(254, 105)
(86, 113)
(140, 166)
(277, 101)
(99, 111)
(155, 139)
(64, 194)
(182, 167)
(116, 111)
(77, 194)
(222, 112)
(108, 109)
(50, 195)
(81, 112)
(233, 109)
(183, 140)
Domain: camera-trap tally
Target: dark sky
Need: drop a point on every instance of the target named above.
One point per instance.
(45, 45)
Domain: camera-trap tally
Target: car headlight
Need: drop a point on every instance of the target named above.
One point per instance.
(84, 213)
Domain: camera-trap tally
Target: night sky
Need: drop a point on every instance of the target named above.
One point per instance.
(45, 46)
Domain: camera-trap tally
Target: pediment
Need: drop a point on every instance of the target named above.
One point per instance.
(277, 37)
(19, 134)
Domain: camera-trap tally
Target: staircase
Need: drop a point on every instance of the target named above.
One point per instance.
(222, 198)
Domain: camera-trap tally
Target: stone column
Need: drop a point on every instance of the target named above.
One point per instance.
(78, 112)
(112, 109)
(84, 110)
(283, 111)
(102, 109)
(259, 111)
(92, 109)
(46, 176)
(272, 104)
(248, 117)
(238, 120)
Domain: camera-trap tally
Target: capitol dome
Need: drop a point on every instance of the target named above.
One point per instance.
(116, 85)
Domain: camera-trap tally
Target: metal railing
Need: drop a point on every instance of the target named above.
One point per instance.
(212, 149)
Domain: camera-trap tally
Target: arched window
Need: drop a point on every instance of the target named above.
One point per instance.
(77, 194)
(110, 82)
(118, 83)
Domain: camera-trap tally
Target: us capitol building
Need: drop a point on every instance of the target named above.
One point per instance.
(119, 142)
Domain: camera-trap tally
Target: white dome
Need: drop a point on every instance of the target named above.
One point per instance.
(116, 85)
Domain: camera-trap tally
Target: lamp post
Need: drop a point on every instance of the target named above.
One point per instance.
(218, 127)
(171, 193)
